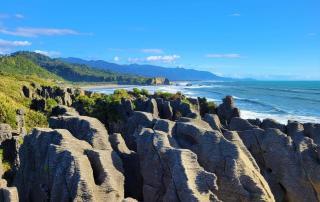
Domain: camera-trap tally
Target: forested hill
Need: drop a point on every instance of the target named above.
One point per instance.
(149, 70)
(30, 63)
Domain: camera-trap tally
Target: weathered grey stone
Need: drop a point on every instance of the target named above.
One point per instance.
(164, 125)
(313, 131)
(152, 107)
(239, 178)
(227, 110)
(131, 166)
(270, 123)
(5, 132)
(239, 124)
(172, 174)
(56, 166)
(84, 128)
(213, 120)
(134, 124)
(290, 165)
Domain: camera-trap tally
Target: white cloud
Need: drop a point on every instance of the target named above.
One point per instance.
(7, 44)
(228, 55)
(48, 53)
(116, 59)
(235, 14)
(155, 58)
(163, 58)
(34, 32)
(152, 50)
(19, 15)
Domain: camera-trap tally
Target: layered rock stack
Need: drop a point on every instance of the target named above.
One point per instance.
(164, 150)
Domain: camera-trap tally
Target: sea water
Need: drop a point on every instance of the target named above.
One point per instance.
(280, 100)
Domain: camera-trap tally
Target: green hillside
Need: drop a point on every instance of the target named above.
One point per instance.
(19, 65)
(78, 72)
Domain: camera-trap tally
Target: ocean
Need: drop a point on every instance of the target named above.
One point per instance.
(279, 100)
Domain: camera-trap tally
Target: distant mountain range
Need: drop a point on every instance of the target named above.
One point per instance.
(173, 74)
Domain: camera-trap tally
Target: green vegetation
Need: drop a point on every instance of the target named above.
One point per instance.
(140, 92)
(78, 72)
(100, 106)
(206, 106)
(19, 65)
(12, 99)
(5, 164)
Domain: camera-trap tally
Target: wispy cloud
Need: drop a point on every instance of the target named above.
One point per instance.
(156, 58)
(7, 16)
(163, 58)
(19, 15)
(235, 15)
(228, 55)
(152, 50)
(35, 32)
(48, 53)
(7, 44)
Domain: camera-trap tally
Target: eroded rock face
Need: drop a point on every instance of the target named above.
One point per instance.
(270, 123)
(213, 120)
(62, 110)
(289, 164)
(239, 177)
(56, 166)
(134, 124)
(175, 174)
(227, 110)
(131, 166)
(5, 132)
(84, 128)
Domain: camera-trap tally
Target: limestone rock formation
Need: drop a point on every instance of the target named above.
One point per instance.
(175, 174)
(239, 177)
(84, 128)
(227, 110)
(56, 166)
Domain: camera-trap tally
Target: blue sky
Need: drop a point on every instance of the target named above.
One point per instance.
(267, 39)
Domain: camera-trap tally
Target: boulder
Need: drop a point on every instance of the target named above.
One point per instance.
(5, 132)
(84, 128)
(152, 107)
(239, 124)
(239, 177)
(213, 120)
(270, 123)
(38, 104)
(62, 110)
(255, 122)
(289, 164)
(172, 174)
(134, 124)
(227, 110)
(165, 109)
(313, 131)
(26, 91)
(164, 125)
(56, 166)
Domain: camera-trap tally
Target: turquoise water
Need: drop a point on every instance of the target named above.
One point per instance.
(281, 100)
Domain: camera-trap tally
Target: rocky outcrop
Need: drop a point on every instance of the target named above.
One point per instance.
(239, 177)
(159, 81)
(131, 166)
(270, 123)
(227, 110)
(9, 194)
(213, 120)
(62, 110)
(134, 124)
(175, 174)
(290, 165)
(165, 109)
(55, 170)
(84, 128)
